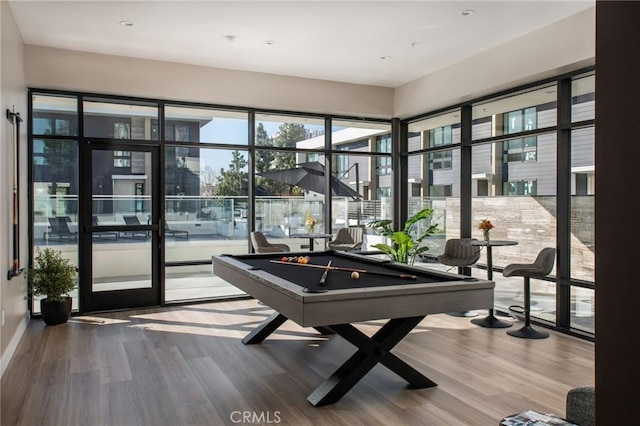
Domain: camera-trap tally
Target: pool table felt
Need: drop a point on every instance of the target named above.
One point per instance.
(337, 280)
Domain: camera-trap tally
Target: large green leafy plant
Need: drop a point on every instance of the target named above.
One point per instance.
(52, 275)
(404, 248)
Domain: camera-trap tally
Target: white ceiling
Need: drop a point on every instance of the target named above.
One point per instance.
(329, 40)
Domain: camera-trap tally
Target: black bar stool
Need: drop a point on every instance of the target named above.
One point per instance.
(538, 269)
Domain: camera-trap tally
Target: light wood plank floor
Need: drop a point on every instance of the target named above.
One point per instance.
(185, 365)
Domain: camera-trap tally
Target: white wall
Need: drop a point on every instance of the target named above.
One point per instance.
(561, 47)
(13, 92)
(89, 72)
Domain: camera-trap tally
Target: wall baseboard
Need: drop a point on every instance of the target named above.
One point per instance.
(13, 345)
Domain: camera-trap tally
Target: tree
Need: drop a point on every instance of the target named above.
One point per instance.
(264, 158)
(235, 180)
(207, 181)
(287, 137)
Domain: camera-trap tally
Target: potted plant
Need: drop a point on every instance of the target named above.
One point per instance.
(54, 277)
(404, 248)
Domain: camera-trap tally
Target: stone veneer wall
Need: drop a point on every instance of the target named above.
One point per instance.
(531, 221)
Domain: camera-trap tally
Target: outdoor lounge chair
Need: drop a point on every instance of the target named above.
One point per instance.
(59, 227)
(175, 233)
(133, 220)
(102, 234)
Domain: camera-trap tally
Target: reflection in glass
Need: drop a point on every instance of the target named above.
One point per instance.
(583, 309)
(55, 115)
(583, 192)
(55, 200)
(280, 131)
(55, 194)
(206, 192)
(360, 136)
(583, 99)
(121, 195)
(531, 110)
(435, 131)
(187, 124)
(120, 120)
(196, 282)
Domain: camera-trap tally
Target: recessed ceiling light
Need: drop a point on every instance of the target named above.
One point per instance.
(230, 38)
(384, 58)
(126, 23)
(468, 12)
(269, 42)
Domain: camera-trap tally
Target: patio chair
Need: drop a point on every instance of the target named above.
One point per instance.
(347, 239)
(133, 220)
(59, 227)
(102, 234)
(175, 233)
(261, 245)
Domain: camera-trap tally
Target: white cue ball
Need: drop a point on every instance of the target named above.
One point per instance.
(355, 275)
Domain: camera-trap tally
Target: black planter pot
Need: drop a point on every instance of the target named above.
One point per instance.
(54, 313)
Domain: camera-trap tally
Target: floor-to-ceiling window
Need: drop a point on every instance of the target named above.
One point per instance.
(289, 178)
(206, 193)
(532, 174)
(583, 191)
(362, 153)
(54, 170)
(202, 159)
(209, 155)
(514, 186)
(434, 174)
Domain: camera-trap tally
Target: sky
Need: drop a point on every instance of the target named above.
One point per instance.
(223, 130)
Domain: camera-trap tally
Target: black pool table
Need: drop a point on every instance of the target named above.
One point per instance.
(294, 292)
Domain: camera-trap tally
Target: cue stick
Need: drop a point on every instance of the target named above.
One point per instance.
(338, 268)
(325, 273)
(15, 119)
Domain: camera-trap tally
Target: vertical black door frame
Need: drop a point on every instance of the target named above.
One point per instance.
(85, 209)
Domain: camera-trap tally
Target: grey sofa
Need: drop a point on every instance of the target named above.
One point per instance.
(581, 407)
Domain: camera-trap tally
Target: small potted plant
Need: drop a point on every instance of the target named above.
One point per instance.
(54, 277)
(404, 248)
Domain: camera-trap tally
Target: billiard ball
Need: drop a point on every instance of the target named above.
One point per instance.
(355, 275)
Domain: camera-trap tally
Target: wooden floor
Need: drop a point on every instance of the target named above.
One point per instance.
(187, 366)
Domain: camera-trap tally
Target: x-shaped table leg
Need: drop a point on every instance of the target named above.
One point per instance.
(270, 325)
(371, 351)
